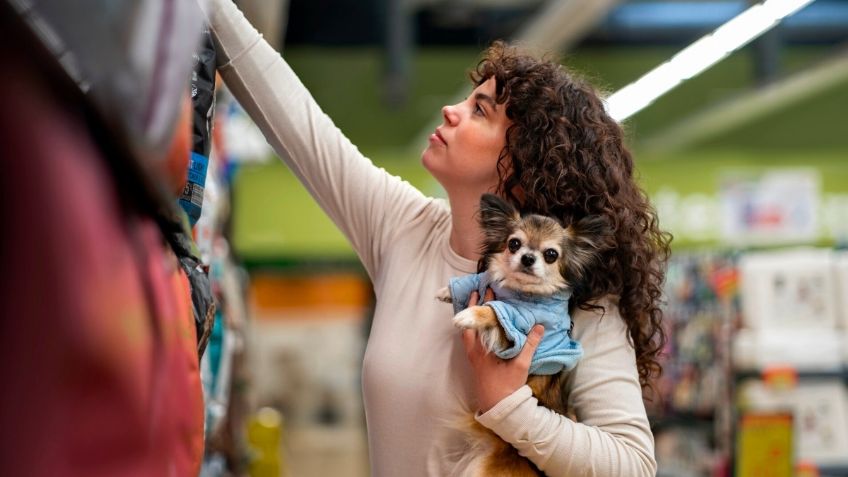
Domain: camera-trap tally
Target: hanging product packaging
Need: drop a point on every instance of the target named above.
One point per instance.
(129, 59)
(203, 106)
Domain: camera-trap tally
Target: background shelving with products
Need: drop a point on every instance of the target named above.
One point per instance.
(731, 355)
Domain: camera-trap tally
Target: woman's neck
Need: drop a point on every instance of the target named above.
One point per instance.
(466, 236)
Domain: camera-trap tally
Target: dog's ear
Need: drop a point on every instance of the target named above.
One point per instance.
(585, 242)
(497, 218)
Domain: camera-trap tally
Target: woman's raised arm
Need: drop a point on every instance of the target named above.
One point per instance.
(364, 201)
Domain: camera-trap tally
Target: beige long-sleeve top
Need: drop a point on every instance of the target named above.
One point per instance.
(415, 377)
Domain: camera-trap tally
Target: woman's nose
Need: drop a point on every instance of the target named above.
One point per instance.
(450, 115)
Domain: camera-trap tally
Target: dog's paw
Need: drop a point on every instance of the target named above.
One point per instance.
(492, 338)
(484, 320)
(444, 295)
(469, 318)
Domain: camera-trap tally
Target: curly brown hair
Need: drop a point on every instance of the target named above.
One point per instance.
(565, 157)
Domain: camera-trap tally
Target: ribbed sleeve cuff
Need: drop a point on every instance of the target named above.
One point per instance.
(234, 34)
(509, 417)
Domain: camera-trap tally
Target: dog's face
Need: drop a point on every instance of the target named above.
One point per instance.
(535, 254)
(532, 259)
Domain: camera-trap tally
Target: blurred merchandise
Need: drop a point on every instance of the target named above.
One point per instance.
(764, 445)
(224, 371)
(131, 67)
(804, 349)
(790, 289)
(243, 139)
(841, 289)
(265, 434)
(99, 361)
(777, 207)
(691, 413)
(755, 370)
(686, 451)
(203, 107)
(307, 335)
(820, 411)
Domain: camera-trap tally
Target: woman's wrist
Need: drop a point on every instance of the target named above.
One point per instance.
(505, 405)
(488, 399)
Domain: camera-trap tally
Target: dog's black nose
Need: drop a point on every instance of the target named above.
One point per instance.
(528, 259)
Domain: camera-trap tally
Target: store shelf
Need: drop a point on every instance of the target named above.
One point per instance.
(833, 471)
(682, 420)
(805, 375)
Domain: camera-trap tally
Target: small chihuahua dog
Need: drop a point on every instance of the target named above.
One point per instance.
(532, 264)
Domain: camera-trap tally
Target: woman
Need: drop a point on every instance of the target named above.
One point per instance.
(543, 141)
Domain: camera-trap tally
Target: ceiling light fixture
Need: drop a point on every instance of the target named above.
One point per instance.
(700, 55)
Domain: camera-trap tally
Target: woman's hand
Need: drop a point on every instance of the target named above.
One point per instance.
(496, 378)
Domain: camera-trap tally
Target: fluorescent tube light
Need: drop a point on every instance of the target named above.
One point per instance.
(700, 55)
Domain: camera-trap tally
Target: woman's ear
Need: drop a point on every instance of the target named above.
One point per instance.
(497, 218)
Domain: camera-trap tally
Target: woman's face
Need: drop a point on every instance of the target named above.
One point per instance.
(463, 152)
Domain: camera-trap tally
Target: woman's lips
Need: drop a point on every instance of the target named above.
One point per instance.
(437, 135)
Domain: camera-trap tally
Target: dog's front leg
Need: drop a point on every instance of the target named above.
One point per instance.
(483, 319)
(444, 295)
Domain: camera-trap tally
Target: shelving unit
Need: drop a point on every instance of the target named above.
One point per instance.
(701, 390)
(691, 417)
(802, 375)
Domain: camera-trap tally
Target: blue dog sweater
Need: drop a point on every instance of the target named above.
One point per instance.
(517, 313)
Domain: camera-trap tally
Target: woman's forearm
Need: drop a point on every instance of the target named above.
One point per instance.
(562, 447)
(612, 436)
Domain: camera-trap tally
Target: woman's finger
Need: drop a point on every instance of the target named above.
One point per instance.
(469, 341)
(473, 299)
(533, 340)
(490, 295)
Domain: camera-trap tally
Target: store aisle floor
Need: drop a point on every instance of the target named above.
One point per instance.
(321, 451)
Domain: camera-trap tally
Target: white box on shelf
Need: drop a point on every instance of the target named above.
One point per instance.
(806, 350)
(841, 268)
(844, 335)
(820, 416)
(789, 289)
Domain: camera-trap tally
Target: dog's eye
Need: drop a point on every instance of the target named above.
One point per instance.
(514, 245)
(551, 255)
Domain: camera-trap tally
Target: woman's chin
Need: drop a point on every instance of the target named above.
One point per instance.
(427, 159)
(431, 163)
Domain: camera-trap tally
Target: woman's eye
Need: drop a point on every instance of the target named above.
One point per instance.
(551, 255)
(478, 109)
(514, 245)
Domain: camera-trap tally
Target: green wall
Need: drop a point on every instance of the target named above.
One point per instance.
(274, 218)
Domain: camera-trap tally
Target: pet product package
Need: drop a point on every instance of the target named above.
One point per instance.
(793, 289)
(203, 107)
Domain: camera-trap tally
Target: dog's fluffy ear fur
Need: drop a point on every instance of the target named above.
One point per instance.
(586, 241)
(498, 219)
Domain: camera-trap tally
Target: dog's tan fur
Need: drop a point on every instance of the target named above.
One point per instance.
(503, 460)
